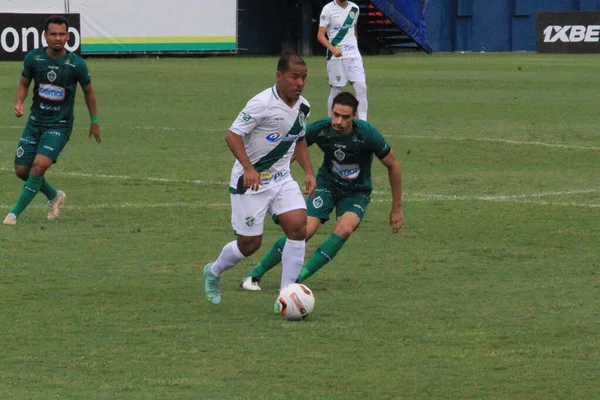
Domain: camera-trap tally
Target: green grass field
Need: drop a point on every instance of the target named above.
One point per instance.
(490, 291)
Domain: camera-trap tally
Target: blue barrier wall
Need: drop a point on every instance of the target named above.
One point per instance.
(491, 25)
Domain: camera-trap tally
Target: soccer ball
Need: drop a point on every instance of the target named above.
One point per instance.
(295, 302)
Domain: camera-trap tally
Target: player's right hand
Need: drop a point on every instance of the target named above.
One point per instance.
(251, 179)
(337, 52)
(19, 111)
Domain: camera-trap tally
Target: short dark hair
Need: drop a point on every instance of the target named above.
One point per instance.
(56, 19)
(288, 59)
(346, 99)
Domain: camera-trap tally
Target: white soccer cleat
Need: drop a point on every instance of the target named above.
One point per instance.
(11, 219)
(249, 283)
(55, 204)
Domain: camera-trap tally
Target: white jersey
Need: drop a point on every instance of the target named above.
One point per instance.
(341, 23)
(270, 129)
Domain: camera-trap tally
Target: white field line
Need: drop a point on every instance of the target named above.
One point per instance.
(141, 128)
(227, 205)
(413, 197)
(224, 129)
(126, 177)
(494, 140)
(407, 196)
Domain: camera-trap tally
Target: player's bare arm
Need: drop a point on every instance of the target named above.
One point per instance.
(302, 156)
(325, 43)
(395, 177)
(22, 90)
(90, 101)
(236, 145)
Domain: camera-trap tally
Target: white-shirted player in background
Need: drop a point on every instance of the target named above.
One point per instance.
(263, 138)
(344, 62)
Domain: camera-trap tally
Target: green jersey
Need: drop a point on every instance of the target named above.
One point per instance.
(55, 84)
(347, 160)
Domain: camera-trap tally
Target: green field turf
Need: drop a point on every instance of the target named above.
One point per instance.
(491, 290)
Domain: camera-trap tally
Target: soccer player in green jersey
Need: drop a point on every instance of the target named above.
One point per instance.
(55, 72)
(343, 183)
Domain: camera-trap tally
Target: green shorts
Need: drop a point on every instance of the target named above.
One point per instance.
(40, 139)
(322, 202)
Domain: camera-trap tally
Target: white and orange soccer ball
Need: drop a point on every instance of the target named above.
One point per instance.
(295, 302)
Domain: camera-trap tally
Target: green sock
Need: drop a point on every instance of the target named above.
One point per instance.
(322, 255)
(48, 190)
(271, 259)
(30, 189)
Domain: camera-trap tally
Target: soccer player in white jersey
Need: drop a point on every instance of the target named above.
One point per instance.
(344, 62)
(263, 138)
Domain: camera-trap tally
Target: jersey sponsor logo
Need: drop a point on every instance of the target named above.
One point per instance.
(267, 177)
(359, 207)
(273, 137)
(51, 76)
(51, 92)
(317, 202)
(346, 171)
(49, 107)
(276, 137)
(28, 141)
(49, 148)
(244, 116)
(572, 33)
(340, 27)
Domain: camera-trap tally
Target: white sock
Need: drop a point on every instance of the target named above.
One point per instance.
(335, 90)
(292, 260)
(229, 257)
(361, 94)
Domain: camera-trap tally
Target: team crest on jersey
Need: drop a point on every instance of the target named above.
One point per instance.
(20, 152)
(352, 14)
(317, 202)
(51, 76)
(339, 154)
(302, 119)
(249, 220)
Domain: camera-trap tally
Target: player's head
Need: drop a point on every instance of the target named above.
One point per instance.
(56, 32)
(343, 112)
(291, 77)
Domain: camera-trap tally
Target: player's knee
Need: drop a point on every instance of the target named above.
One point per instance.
(248, 245)
(335, 90)
(360, 88)
(22, 172)
(343, 232)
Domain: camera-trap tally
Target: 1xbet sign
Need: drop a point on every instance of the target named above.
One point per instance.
(568, 32)
(572, 33)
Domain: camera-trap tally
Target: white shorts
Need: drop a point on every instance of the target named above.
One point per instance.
(248, 211)
(344, 70)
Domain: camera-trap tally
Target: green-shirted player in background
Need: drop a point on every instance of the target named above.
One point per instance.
(343, 182)
(55, 72)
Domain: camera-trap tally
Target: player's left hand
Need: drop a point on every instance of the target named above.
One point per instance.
(95, 132)
(310, 184)
(396, 220)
